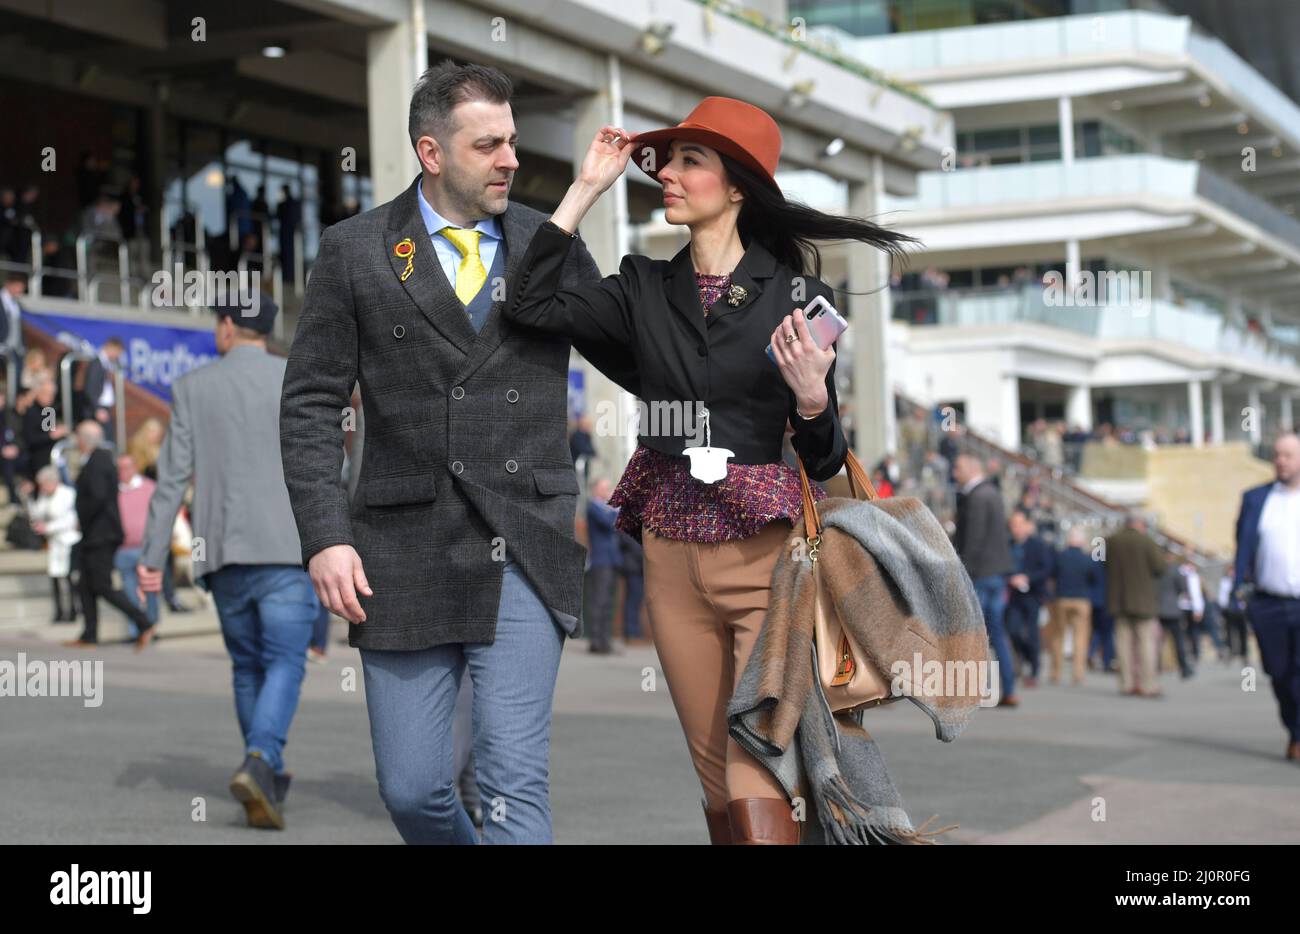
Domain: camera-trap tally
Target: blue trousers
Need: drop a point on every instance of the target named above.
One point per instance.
(411, 697)
(991, 591)
(1276, 621)
(267, 612)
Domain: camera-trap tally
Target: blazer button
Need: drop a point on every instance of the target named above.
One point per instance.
(512, 395)
(399, 332)
(511, 466)
(458, 392)
(702, 350)
(457, 467)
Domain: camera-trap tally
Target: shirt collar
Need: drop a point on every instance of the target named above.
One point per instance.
(434, 222)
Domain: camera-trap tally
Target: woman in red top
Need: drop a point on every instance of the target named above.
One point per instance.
(707, 490)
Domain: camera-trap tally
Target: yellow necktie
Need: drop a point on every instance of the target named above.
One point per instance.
(470, 275)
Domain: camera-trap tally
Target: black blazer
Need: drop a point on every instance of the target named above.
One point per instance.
(97, 510)
(685, 358)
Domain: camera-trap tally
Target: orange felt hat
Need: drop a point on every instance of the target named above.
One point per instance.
(744, 132)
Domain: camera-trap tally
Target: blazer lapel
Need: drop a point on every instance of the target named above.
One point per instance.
(427, 284)
(754, 267)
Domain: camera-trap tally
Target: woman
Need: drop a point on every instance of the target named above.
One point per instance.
(698, 327)
(54, 515)
(145, 446)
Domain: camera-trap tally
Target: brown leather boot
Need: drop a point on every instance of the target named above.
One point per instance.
(719, 823)
(763, 821)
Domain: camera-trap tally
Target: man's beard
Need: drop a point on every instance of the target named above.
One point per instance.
(473, 198)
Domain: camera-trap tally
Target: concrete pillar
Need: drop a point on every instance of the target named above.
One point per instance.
(1216, 412)
(605, 232)
(1072, 264)
(1256, 413)
(1009, 422)
(1065, 117)
(1078, 407)
(869, 315)
(1196, 413)
(391, 69)
(1286, 421)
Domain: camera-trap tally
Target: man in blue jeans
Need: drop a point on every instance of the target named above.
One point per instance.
(225, 436)
(981, 542)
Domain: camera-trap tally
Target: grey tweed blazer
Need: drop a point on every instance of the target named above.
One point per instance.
(466, 451)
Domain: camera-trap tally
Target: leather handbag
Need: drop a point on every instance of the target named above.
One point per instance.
(849, 681)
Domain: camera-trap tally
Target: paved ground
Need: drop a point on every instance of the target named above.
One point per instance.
(1203, 765)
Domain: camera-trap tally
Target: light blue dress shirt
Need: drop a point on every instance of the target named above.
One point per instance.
(448, 255)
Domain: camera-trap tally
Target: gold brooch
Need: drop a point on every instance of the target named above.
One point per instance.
(736, 295)
(405, 249)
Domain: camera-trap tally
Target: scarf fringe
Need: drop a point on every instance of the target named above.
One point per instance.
(847, 820)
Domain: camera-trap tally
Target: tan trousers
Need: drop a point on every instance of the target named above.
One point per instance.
(706, 603)
(1136, 642)
(1070, 613)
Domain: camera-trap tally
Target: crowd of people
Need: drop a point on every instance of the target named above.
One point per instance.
(41, 454)
(112, 208)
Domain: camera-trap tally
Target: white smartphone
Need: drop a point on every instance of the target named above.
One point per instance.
(825, 324)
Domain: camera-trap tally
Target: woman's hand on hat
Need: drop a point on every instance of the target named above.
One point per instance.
(605, 161)
(606, 158)
(803, 364)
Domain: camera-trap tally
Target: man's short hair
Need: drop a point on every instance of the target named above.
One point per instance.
(115, 342)
(447, 84)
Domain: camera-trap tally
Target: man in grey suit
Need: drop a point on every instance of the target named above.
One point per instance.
(457, 551)
(225, 435)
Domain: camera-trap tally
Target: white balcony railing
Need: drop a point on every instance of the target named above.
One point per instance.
(1049, 39)
(1036, 182)
(1141, 174)
(1156, 320)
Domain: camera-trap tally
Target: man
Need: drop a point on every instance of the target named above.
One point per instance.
(11, 321)
(1103, 626)
(1171, 600)
(1076, 577)
(41, 427)
(606, 559)
(225, 436)
(101, 534)
(633, 588)
(99, 396)
(1031, 560)
(1268, 557)
(13, 453)
(134, 493)
(1134, 563)
(464, 515)
(981, 543)
(1234, 616)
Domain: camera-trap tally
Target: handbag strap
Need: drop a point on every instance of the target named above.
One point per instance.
(859, 485)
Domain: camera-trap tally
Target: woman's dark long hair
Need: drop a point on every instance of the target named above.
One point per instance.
(790, 230)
